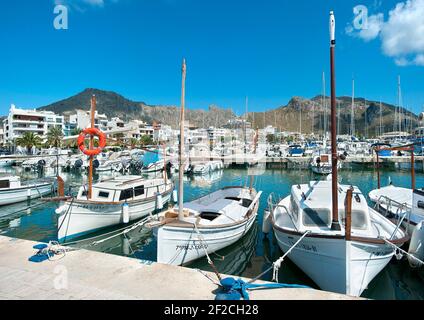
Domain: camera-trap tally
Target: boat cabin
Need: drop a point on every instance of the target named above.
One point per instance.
(10, 182)
(124, 189)
(311, 208)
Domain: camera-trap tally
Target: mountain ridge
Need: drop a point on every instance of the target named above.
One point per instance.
(298, 112)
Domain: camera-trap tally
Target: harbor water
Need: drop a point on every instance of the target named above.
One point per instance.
(249, 257)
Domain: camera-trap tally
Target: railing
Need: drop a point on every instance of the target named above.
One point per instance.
(273, 205)
(399, 210)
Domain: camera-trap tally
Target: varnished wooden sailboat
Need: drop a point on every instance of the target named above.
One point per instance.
(343, 242)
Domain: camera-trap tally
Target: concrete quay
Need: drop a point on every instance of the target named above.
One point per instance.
(89, 275)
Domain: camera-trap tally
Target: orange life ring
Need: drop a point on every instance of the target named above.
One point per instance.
(93, 132)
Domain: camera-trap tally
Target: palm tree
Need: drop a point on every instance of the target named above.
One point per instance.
(55, 137)
(29, 140)
(146, 140)
(133, 143)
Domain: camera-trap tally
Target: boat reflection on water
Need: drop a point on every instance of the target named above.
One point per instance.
(232, 260)
(115, 241)
(204, 180)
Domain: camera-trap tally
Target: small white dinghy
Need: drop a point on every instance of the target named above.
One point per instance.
(120, 200)
(210, 223)
(12, 190)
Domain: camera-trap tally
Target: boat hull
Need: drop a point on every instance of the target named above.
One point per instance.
(179, 246)
(84, 217)
(336, 265)
(24, 193)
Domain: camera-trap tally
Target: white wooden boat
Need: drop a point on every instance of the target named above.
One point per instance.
(392, 200)
(119, 200)
(332, 261)
(321, 164)
(406, 206)
(328, 230)
(12, 190)
(211, 223)
(205, 225)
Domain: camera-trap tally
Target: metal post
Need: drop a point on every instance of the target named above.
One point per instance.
(348, 214)
(182, 151)
(412, 169)
(90, 169)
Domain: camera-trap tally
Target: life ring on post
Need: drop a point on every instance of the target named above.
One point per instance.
(92, 132)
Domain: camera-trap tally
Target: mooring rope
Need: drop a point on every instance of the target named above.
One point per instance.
(277, 264)
(420, 262)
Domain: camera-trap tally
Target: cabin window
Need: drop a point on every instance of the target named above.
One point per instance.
(359, 219)
(420, 204)
(84, 193)
(126, 194)
(103, 194)
(138, 191)
(4, 184)
(319, 218)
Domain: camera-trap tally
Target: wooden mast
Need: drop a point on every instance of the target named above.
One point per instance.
(335, 225)
(182, 153)
(90, 169)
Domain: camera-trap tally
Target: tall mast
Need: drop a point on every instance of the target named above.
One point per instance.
(334, 181)
(381, 119)
(245, 126)
(324, 104)
(338, 118)
(399, 106)
(352, 112)
(90, 168)
(182, 149)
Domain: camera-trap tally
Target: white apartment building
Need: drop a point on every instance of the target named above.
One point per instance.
(82, 120)
(20, 121)
(163, 133)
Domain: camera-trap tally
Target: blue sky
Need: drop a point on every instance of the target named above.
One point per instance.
(269, 50)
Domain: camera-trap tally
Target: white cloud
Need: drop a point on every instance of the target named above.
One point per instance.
(402, 35)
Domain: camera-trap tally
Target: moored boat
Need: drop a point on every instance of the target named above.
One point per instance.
(13, 190)
(119, 200)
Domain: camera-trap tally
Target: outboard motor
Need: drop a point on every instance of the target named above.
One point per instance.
(78, 164)
(96, 163)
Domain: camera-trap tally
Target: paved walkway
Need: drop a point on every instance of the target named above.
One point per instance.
(83, 274)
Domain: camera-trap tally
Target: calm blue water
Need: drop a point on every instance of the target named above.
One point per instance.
(251, 255)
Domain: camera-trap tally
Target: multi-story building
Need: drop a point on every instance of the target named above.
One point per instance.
(38, 122)
(82, 120)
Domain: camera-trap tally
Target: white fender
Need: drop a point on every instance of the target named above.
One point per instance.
(125, 213)
(416, 246)
(266, 222)
(159, 201)
(175, 196)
